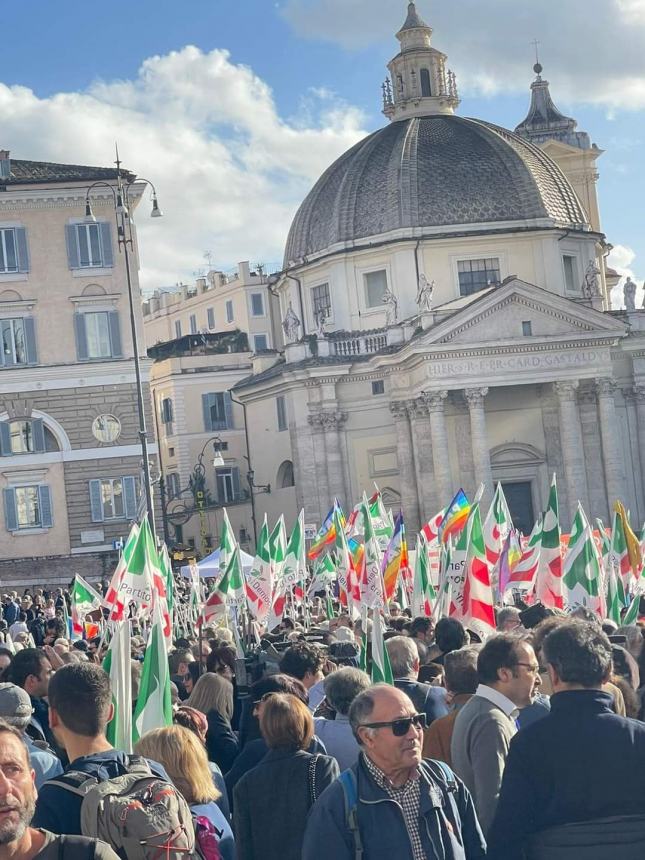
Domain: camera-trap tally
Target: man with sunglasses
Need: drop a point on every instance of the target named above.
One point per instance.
(392, 803)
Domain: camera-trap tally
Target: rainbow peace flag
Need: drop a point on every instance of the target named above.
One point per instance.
(327, 532)
(455, 517)
(395, 558)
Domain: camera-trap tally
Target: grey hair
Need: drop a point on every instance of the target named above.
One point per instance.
(403, 654)
(342, 687)
(508, 613)
(361, 708)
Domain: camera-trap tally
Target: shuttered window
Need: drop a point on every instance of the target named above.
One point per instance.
(113, 498)
(217, 408)
(27, 507)
(22, 437)
(14, 256)
(17, 342)
(89, 246)
(98, 335)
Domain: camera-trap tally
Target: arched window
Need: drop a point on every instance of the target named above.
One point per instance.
(285, 475)
(425, 82)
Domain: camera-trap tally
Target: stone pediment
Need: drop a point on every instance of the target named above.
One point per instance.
(500, 315)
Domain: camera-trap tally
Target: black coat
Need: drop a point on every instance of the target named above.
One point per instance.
(272, 802)
(427, 699)
(221, 744)
(579, 763)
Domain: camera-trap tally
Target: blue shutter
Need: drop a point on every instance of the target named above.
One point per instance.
(72, 246)
(5, 439)
(45, 501)
(81, 337)
(115, 333)
(96, 501)
(38, 435)
(235, 474)
(228, 410)
(208, 400)
(10, 514)
(23, 253)
(106, 244)
(130, 497)
(30, 340)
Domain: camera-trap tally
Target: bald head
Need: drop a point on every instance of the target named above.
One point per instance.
(370, 705)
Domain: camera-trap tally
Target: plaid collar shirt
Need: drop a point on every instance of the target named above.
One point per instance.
(408, 797)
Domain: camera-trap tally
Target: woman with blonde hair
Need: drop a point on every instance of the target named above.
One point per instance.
(288, 775)
(213, 696)
(184, 758)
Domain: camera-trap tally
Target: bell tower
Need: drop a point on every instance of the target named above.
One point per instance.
(420, 83)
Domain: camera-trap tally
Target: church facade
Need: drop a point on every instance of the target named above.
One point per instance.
(445, 303)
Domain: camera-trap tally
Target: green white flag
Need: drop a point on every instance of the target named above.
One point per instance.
(154, 706)
(294, 569)
(278, 549)
(227, 544)
(423, 595)
(259, 583)
(117, 666)
(381, 668)
(85, 599)
(548, 585)
(581, 577)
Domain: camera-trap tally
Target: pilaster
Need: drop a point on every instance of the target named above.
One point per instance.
(405, 457)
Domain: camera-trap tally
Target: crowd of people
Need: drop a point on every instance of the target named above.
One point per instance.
(528, 746)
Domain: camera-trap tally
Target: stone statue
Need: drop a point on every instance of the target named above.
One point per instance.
(425, 292)
(629, 295)
(320, 318)
(591, 286)
(392, 307)
(291, 325)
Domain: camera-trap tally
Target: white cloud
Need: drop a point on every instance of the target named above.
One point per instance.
(593, 50)
(229, 171)
(621, 259)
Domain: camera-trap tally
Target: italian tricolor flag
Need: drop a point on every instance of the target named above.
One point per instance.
(85, 599)
(259, 581)
(478, 611)
(154, 707)
(423, 594)
(549, 576)
(581, 576)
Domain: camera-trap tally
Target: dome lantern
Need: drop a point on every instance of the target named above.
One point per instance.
(420, 84)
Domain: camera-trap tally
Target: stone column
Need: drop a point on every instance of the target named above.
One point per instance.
(639, 394)
(320, 484)
(405, 457)
(595, 472)
(435, 401)
(610, 436)
(333, 422)
(572, 449)
(422, 447)
(479, 441)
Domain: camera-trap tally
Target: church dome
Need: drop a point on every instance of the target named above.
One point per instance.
(431, 172)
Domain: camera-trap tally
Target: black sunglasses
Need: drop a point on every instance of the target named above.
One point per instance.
(401, 726)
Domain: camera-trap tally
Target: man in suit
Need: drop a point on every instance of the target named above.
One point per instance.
(582, 762)
(404, 660)
(509, 676)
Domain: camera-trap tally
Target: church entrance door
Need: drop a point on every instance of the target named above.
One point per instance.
(520, 503)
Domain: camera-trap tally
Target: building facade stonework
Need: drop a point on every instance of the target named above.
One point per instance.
(502, 361)
(70, 457)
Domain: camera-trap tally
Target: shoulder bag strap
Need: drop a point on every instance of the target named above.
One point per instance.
(350, 793)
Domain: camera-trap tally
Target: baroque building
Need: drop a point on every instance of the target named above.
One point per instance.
(447, 323)
(70, 457)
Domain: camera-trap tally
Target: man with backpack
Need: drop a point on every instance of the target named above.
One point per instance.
(18, 840)
(574, 783)
(392, 803)
(106, 793)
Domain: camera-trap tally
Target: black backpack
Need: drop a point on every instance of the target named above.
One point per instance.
(618, 838)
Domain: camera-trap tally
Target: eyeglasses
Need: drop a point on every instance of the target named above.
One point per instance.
(401, 726)
(533, 669)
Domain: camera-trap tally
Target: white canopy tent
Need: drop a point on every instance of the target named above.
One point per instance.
(209, 566)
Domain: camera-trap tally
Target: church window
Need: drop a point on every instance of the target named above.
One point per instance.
(527, 328)
(475, 275)
(424, 76)
(375, 288)
(378, 387)
(321, 300)
(570, 273)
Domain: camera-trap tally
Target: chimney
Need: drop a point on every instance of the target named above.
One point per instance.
(5, 163)
(244, 272)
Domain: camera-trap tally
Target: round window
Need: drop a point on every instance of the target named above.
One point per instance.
(106, 428)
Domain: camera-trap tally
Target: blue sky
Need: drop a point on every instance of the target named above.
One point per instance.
(300, 83)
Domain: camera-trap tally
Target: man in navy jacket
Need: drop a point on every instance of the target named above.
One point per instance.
(582, 762)
(405, 808)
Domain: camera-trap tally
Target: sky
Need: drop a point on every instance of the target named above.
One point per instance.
(233, 108)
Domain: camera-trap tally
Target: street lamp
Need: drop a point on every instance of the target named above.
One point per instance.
(123, 219)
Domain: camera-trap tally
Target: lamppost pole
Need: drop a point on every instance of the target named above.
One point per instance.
(125, 242)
